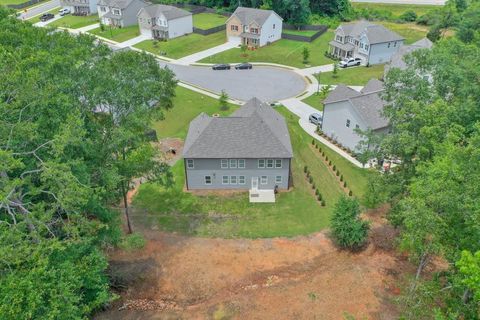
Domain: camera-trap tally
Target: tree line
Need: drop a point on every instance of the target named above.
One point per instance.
(73, 117)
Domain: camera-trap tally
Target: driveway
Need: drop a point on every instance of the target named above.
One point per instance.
(44, 23)
(134, 41)
(266, 83)
(35, 11)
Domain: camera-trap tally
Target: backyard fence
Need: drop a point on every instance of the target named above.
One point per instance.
(206, 32)
(321, 29)
(23, 4)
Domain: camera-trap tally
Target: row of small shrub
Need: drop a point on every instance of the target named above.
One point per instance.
(334, 168)
(309, 177)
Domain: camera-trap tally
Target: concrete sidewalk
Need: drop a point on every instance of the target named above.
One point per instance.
(313, 70)
(87, 28)
(134, 41)
(206, 53)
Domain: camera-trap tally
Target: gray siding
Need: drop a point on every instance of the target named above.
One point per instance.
(381, 53)
(180, 26)
(212, 167)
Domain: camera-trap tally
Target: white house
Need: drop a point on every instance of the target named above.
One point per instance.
(119, 13)
(80, 7)
(164, 22)
(373, 43)
(254, 27)
(346, 110)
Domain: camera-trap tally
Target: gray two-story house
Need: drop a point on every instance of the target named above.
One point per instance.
(160, 21)
(249, 150)
(119, 13)
(80, 7)
(372, 43)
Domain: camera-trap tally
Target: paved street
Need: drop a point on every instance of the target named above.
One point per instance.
(41, 8)
(266, 83)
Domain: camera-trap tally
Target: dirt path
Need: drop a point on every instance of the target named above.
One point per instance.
(178, 277)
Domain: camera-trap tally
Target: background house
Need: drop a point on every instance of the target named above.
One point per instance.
(372, 43)
(249, 150)
(164, 22)
(346, 110)
(80, 7)
(119, 13)
(254, 27)
(398, 59)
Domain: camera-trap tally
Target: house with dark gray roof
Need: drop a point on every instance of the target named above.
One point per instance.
(80, 7)
(160, 21)
(347, 110)
(398, 59)
(372, 43)
(254, 27)
(249, 150)
(119, 13)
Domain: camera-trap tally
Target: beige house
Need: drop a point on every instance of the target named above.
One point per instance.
(254, 27)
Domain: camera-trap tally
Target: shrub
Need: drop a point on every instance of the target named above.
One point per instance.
(313, 186)
(313, 141)
(330, 162)
(341, 177)
(408, 16)
(334, 167)
(133, 241)
(350, 193)
(345, 184)
(348, 229)
(326, 158)
(305, 169)
(323, 203)
(308, 173)
(317, 192)
(102, 27)
(323, 154)
(310, 179)
(338, 173)
(319, 149)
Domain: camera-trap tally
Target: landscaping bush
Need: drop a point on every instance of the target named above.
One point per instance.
(341, 177)
(345, 184)
(317, 192)
(408, 16)
(313, 141)
(305, 169)
(323, 203)
(348, 229)
(313, 186)
(330, 162)
(133, 241)
(310, 179)
(338, 173)
(350, 193)
(323, 154)
(334, 167)
(308, 173)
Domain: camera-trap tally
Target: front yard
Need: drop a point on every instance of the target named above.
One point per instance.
(315, 100)
(184, 45)
(117, 34)
(75, 22)
(208, 20)
(353, 76)
(287, 52)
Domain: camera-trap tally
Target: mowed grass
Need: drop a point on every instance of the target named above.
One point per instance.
(396, 9)
(286, 52)
(7, 2)
(315, 100)
(410, 31)
(306, 33)
(75, 22)
(353, 76)
(117, 34)
(208, 20)
(182, 46)
(187, 105)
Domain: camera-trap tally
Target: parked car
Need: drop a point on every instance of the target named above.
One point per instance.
(221, 67)
(315, 118)
(348, 62)
(46, 17)
(64, 11)
(243, 66)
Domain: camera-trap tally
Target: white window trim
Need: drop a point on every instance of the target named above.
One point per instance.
(223, 180)
(272, 162)
(205, 180)
(221, 164)
(264, 163)
(281, 179)
(236, 180)
(279, 167)
(347, 123)
(244, 180)
(232, 161)
(188, 164)
(264, 181)
(238, 163)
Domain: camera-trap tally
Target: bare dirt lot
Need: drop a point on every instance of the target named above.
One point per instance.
(179, 277)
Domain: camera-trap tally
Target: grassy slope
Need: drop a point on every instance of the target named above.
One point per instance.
(208, 20)
(118, 34)
(287, 52)
(183, 46)
(75, 22)
(354, 76)
(410, 31)
(396, 9)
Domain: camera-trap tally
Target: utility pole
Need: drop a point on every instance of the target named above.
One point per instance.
(317, 76)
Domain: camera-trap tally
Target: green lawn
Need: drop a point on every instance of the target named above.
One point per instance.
(117, 34)
(187, 105)
(396, 9)
(208, 20)
(37, 18)
(306, 33)
(287, 52)
(7, 2)
(353, 76)
(410, 31)
(183, 46)
(75, 22)
(315, 100)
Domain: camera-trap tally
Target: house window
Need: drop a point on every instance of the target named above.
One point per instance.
(357, 126)
(233, 179)
(225, 180)
(116, 11)
(274, 26)
(261, 163)
(263, 180)
(339, 39)
(366, 47)
(190, 164)
(241, 163)
(348, 123)
(103, 9)
(356, 42)
(270, 163)
(208, 180)
(278, 179)
(278, 163)
(241, 179)
(389, 45)
(395, 44)
(233, 163)
(361, 45)
(234, 28)
(224, 163)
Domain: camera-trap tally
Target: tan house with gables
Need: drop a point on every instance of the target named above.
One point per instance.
(254, 27)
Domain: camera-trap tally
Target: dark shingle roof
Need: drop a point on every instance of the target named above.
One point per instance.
(170, 12)
(341, 92)
(255, 130)
(121, 4)
(376, 33)
(397, 60)
(373, 85)
(248, 15)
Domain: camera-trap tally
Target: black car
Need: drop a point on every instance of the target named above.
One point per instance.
(221, 67)
(46, 17)
(243, 66)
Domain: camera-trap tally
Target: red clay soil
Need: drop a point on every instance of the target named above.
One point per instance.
(179, 277)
